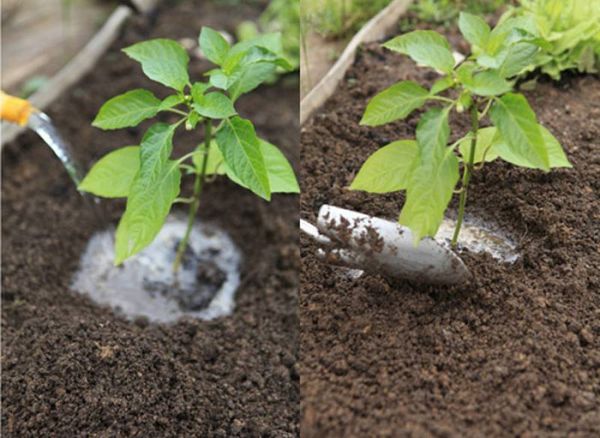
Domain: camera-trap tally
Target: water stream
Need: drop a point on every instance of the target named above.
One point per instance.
(42, 125)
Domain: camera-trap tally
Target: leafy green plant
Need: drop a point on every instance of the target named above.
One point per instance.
(336, 18)
(280, 16)
(428, 168)
(148, 176)
(567, 32)
(443, 11)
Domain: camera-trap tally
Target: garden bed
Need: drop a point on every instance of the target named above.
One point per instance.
(517, 352)
(71, 367)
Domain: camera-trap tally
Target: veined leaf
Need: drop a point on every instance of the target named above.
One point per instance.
(112, 175)
(430, 190)
(215, 164)
(488, 83)
(213, 45)
(163, 61)
(280, 172)
(442, 85)
(170, 102)
(270, 41)
(486, 139)
(127, 109)
(151, 195)
(214, 105)
(388, 169)
(475, 30)
(426, 47)
(198, 90)
(433, 131)
(396, 102)
(556, 154)
(519, 129)
(241, 151)
(518, 57)
(434, 177)
(249, 76)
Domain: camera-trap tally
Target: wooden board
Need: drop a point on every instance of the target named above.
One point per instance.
(374, 30)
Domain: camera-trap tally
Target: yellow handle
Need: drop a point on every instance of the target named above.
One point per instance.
(14, 109)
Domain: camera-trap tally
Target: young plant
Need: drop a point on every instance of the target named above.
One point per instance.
(428, 168)
(148, 176)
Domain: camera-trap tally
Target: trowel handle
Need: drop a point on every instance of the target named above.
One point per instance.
(14, 109)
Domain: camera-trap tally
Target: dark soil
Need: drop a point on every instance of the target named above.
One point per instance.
(70, 368)
(516, 353)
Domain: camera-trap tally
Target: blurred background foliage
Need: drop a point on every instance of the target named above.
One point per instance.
(338, 18)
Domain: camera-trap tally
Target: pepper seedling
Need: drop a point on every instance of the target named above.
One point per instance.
(427, 168)
(148, 176)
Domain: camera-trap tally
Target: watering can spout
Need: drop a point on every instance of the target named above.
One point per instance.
(14, 109)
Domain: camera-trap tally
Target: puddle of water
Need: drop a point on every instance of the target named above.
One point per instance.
(479, 238)
(145, 286)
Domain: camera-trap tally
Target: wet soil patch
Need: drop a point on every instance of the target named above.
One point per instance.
(517, 352)
(71, 368)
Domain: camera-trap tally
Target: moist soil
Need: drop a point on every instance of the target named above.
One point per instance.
(516, 352)
(71, 368)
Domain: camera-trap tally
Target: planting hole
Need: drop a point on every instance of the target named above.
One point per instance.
(145, 286)
(478, 238)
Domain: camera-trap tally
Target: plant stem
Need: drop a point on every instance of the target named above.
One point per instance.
(198, 183)
(467, 171)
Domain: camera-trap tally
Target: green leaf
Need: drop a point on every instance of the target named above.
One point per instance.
(396, 102)
(198, 90)
(486, 139)
(433, 131)
(192, 120)
(426, 47)
(556, 154)
(214, 105)
(215, 165)
(112, 175)
(241, 151)
(465, 72)
(163, 61)
(247, 77)
(213, 45)
(151, 195)
(442, 85)
(433, 180)
(388, 169)
(518, 58)
(475, 30)
(127, 109)
(170, 102)
(281, 174)
(488, 83)
(430, 190)
(218, 79)
(519, 129)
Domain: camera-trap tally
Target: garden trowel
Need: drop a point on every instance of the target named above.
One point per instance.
(378, 246)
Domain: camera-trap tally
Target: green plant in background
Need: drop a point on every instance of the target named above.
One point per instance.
(428, 168)
(148, 176)
(567, 31)
(336, 18)
(280, 16)
(443, 11)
